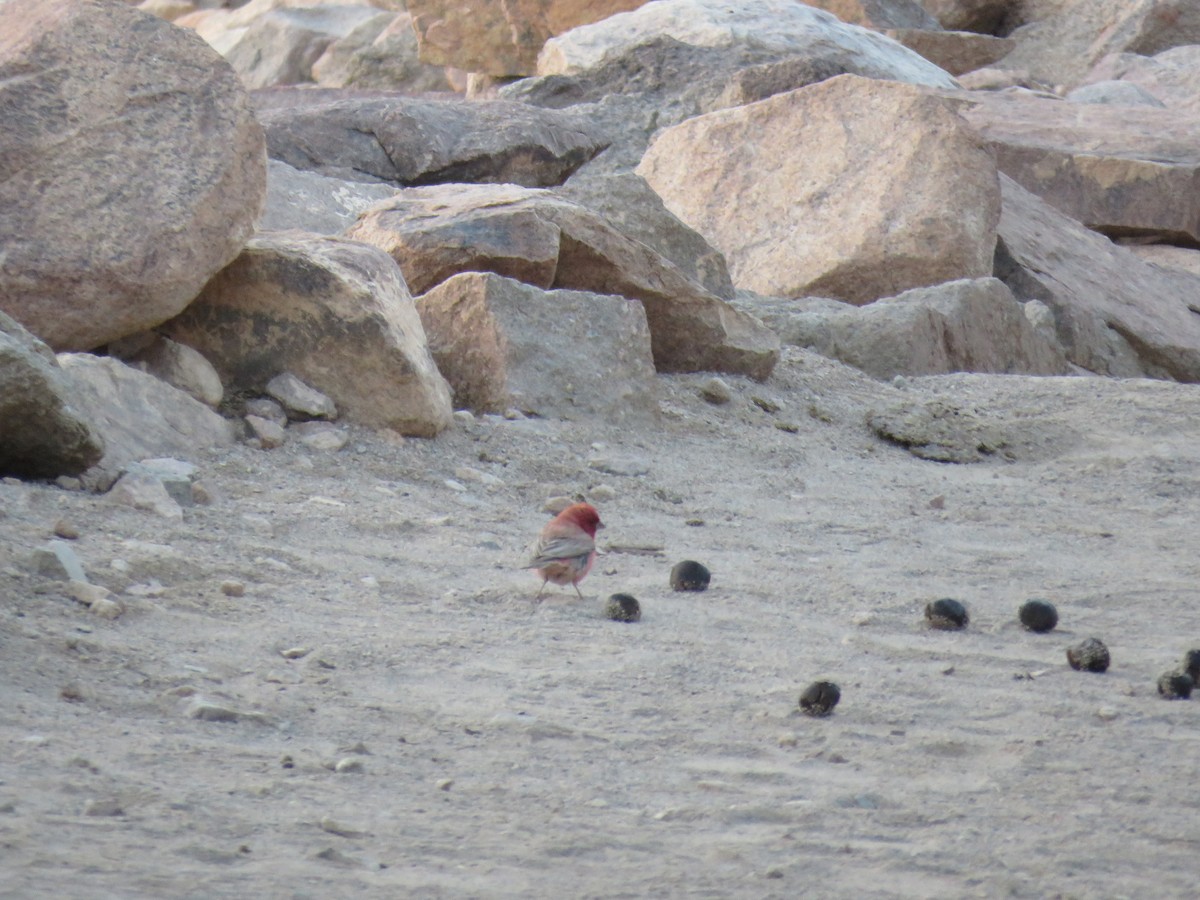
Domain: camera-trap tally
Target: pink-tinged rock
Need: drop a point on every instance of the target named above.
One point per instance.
(879, 14)
(500, 38)
(131, 168)
(506, 345)
(541, 239)
(852, 188)
(1117, 169)
(1115, 314)
(1064, 39)
(1172, 77)
(335, 313)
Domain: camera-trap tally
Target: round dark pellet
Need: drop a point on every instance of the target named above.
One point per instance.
(623, 608)
(947, 614)
(1038, 615)
(690, 575)
(1089, 656)
(819, 698)
(1175, 685)
(1191, 664)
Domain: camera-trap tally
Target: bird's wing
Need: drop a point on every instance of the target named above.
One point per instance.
(548, 550)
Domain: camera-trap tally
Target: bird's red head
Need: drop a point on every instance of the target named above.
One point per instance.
(584, 515)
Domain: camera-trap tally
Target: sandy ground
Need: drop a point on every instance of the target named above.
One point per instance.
(514, 749)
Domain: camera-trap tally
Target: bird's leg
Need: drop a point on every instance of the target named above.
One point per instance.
(542, 588)
(576, 586)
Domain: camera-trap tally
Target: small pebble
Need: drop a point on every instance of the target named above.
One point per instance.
(1175, 685)
(464, 417)
(444, 784)
(107, 608)
(947, 614)
(716, 391)
(623, 608)
(1038, 615)
(295, 652)
(1089, 656)
(690, 575)
(341, 829)
(1191, 664)
(232, 588)
(819, 698)
(109, 806)
(64, 528)
(602, 493)
(348, 765)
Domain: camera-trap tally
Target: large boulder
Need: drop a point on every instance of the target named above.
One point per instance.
(41, 434)
(406, 141)
(541, 239)
(852, 188)
(1061, 43)
(127, 177)
(628, 203)
(280, 46)
(1118, 169)
(335, 313)
(569, 354)
(138, 415)
(1115, 314)
(970, 325)
(958, 52)
(781, 27)
(500, 38)
(381, 54)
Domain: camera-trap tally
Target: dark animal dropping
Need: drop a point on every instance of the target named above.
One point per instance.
(689, 575)
(1038, 615)
(623, 608)
(947, 614)
(1089, 656)
(819, 698)
(1175, 685)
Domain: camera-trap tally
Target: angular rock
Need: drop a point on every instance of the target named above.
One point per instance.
(544, 240)
(381, 53)
(133, 177)
(879, 14)
(1115, 314)
(781, 27)
(167, 9)
(958, 52)
(268, 434)
(300, 400)
(407, 141)
(177, 476)
(1064, 44)
(1172, 76)
(938, 430)
(960, 326)
(1167, 256)
(177, 365)
(628, 203)
(1117, 169)
(141, 490)
(42, 435)
(280, 46)
(566, 354)
(138, 415)
(307, 201)
(1119, 93)
(851, 188)
(335, 313)
(500, 38)
(57, 560)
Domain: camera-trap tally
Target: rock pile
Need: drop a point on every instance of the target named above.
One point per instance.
(676, 186)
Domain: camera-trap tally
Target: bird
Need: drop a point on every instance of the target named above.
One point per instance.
(566, 548)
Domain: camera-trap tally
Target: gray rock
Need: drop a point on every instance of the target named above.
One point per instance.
(300, 400)
(142, 490)
(938, 430)
(139, 416)
(308, 201)
(57, 560)
(42, 435)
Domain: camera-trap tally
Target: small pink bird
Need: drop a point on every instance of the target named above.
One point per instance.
(566, 547)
